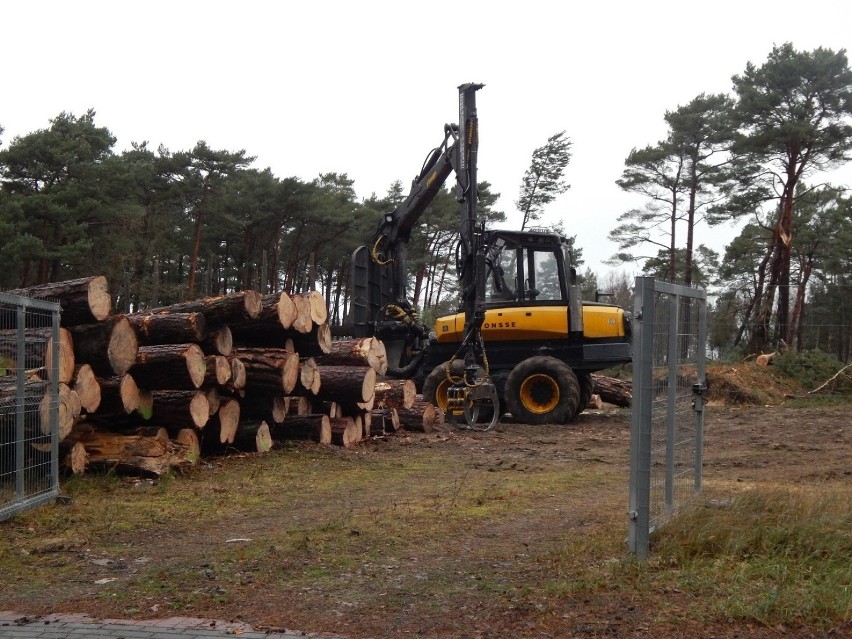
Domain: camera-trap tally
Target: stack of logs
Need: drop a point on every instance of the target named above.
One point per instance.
(156, 390)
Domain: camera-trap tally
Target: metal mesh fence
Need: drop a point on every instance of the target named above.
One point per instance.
(668, 383)
(29, 354)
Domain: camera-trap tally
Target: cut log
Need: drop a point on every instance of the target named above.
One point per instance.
(226, 422)
(309, 377)
(313, 427)
(303, 322)
(613, 390)
(109, 347)
(132, 453)
(218, 342)
(347, 384)
(346, 431)
(169, 367)
(176, 409)
(595, 402)
(395, 393)
(189, 438)
(384, 421)
(168, 328)
(300, 405)
(268, 369)
(364, 351)
(77, 459)
(238, 373)
(67, 363)
(68, 414)
(119, 397)
(218, 370)
(315, 343)
(88, 388)
(280, 408)
(83, 301)
(214, 400)
(319, 307)
(220, 310)
(422, 417)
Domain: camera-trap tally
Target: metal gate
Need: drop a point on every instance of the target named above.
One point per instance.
(29, 403)
(667, 425)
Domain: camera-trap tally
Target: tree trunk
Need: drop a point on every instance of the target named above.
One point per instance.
(218, 342)
(176, 409)
(612, 390)
(271, 369)
(346, 431)
(119, 397)
(347, 384)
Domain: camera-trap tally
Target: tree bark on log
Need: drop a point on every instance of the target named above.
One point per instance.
(119, 397)
(223, 309)
(612, 390)
(346, 431)
(384, 420)
(109, 347)
(347, 384)
(312, 427)
(168, 328)
(422, 417)
(218, 342)
(366, 351)
(169, 367)
(178, 409)
(300, 406)
(315, 343)
(270, 369)
(395, 393)
(83, 301)
(218, 370)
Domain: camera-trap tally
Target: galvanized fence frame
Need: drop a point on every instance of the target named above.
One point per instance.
(29, 403)
(667, 422)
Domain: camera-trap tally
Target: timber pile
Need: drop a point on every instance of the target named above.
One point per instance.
(155, 390)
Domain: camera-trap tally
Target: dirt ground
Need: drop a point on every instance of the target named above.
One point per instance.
(469, 576)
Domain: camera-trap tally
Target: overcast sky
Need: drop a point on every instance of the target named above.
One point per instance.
(364, 88)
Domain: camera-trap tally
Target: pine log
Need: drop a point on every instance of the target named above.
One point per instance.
(238, 373)
(299, 406)
(303, 322)
(168, 328)
(395, 393)
(319, 307)
(613, 390)
(132, 453)
(366, 424)
(214, 400)
(347, 384)
(595, 402)
(88, 388)
(68, 414)
(77, 458)
(272, 369)
(109, 347)
(383, 421)
(315, 343)
(280, 408)
(312, 427)
(346, 431)
(362, 351)
(119, 397)
(218, 342)
(83, 301)
(189, 438)
(218, 370)
(176, 409)
(67, 362)
(169, 367)
(277, 312)
(226, 422)
(422, 417)
(220, 310)
(309, 377)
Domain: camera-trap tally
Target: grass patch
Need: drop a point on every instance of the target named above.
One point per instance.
(769, 557)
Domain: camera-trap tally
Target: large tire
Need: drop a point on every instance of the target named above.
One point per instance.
(435, 388)
(587, 387)
(542, 390)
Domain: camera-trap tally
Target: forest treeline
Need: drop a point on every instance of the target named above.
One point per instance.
(165, 226)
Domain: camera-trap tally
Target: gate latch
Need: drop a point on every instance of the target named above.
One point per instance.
(699, 395)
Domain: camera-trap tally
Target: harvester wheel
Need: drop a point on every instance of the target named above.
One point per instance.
(542, 390)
